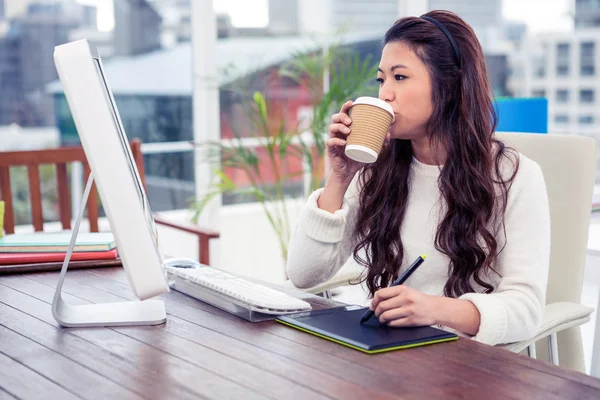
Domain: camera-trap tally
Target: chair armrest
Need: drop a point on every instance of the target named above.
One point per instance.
(342, 278)
(557, 317)
(204, 235)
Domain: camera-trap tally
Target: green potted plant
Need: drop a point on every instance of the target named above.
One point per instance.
(348, 76)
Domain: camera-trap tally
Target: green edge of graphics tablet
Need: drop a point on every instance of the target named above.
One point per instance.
(342, 325)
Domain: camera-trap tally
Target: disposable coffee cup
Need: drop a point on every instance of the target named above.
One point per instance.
(371, 119)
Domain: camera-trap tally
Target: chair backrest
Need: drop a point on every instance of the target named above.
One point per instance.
(59, 157)
(568, 163)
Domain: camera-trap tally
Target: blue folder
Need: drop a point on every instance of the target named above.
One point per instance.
(522, 115)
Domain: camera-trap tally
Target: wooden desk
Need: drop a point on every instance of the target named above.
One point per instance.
(202, 352)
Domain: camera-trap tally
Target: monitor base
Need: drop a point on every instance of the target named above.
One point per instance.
(128, 313)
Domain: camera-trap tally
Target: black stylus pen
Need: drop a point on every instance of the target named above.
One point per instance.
(401, 279)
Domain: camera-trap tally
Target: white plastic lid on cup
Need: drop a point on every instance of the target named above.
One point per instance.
(374, 101)
(359, 153)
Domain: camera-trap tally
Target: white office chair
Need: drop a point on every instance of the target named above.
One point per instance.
(569, 166)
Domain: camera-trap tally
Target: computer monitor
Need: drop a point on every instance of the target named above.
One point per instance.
(119, 185)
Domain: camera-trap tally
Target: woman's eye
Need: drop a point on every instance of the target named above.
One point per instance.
(379, 80)
(399, 77)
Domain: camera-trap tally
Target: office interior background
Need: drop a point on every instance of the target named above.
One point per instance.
(534, 49)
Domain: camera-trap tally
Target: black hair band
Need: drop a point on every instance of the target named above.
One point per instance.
(448, 35)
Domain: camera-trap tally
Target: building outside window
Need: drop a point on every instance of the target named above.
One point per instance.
(539, 60)
(538, 93)
(586, 13)
(562, 59)
(586, 96)
(161, 115)
(586, 119)
(561, 119)
(587, 59)
(562, 96)
(153, 119)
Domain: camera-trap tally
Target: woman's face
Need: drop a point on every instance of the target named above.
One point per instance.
(404, 84)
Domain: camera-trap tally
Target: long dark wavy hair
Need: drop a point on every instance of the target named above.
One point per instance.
(473, 189)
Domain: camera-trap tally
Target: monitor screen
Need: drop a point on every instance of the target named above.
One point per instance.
(111, 162)
(126, 149)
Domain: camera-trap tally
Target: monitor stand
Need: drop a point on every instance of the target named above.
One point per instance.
(147, 312)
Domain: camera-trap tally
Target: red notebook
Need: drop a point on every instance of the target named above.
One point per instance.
(28, 258)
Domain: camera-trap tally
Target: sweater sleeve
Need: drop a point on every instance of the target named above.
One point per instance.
(513, 312)
(322, 241)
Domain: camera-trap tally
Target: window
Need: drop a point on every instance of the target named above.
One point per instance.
(562, 70)
(562, 50)
(539, 60)
(586, 96)
(562, 59)
(538, 93)
(587, 49)
(587, 65)
(561, 119)
(562, 96)
(540, 71)
(587, 5)
(587, 70)
(586, 119)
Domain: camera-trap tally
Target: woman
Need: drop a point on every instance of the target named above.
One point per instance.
(443, 186)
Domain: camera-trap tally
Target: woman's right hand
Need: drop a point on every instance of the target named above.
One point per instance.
(342, 167)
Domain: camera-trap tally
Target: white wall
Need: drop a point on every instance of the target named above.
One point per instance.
(101, 39)
(15, 8)
(247, 246)
(206, 117)
(311, 22)
(412, 8)
(15, 138)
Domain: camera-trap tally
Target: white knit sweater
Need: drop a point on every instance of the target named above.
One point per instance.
(322, 243)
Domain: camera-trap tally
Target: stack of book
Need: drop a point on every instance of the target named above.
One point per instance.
(46, 251)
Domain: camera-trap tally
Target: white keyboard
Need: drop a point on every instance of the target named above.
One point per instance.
(239, 291)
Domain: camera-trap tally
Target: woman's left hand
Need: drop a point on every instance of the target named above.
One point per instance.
(403, 306)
